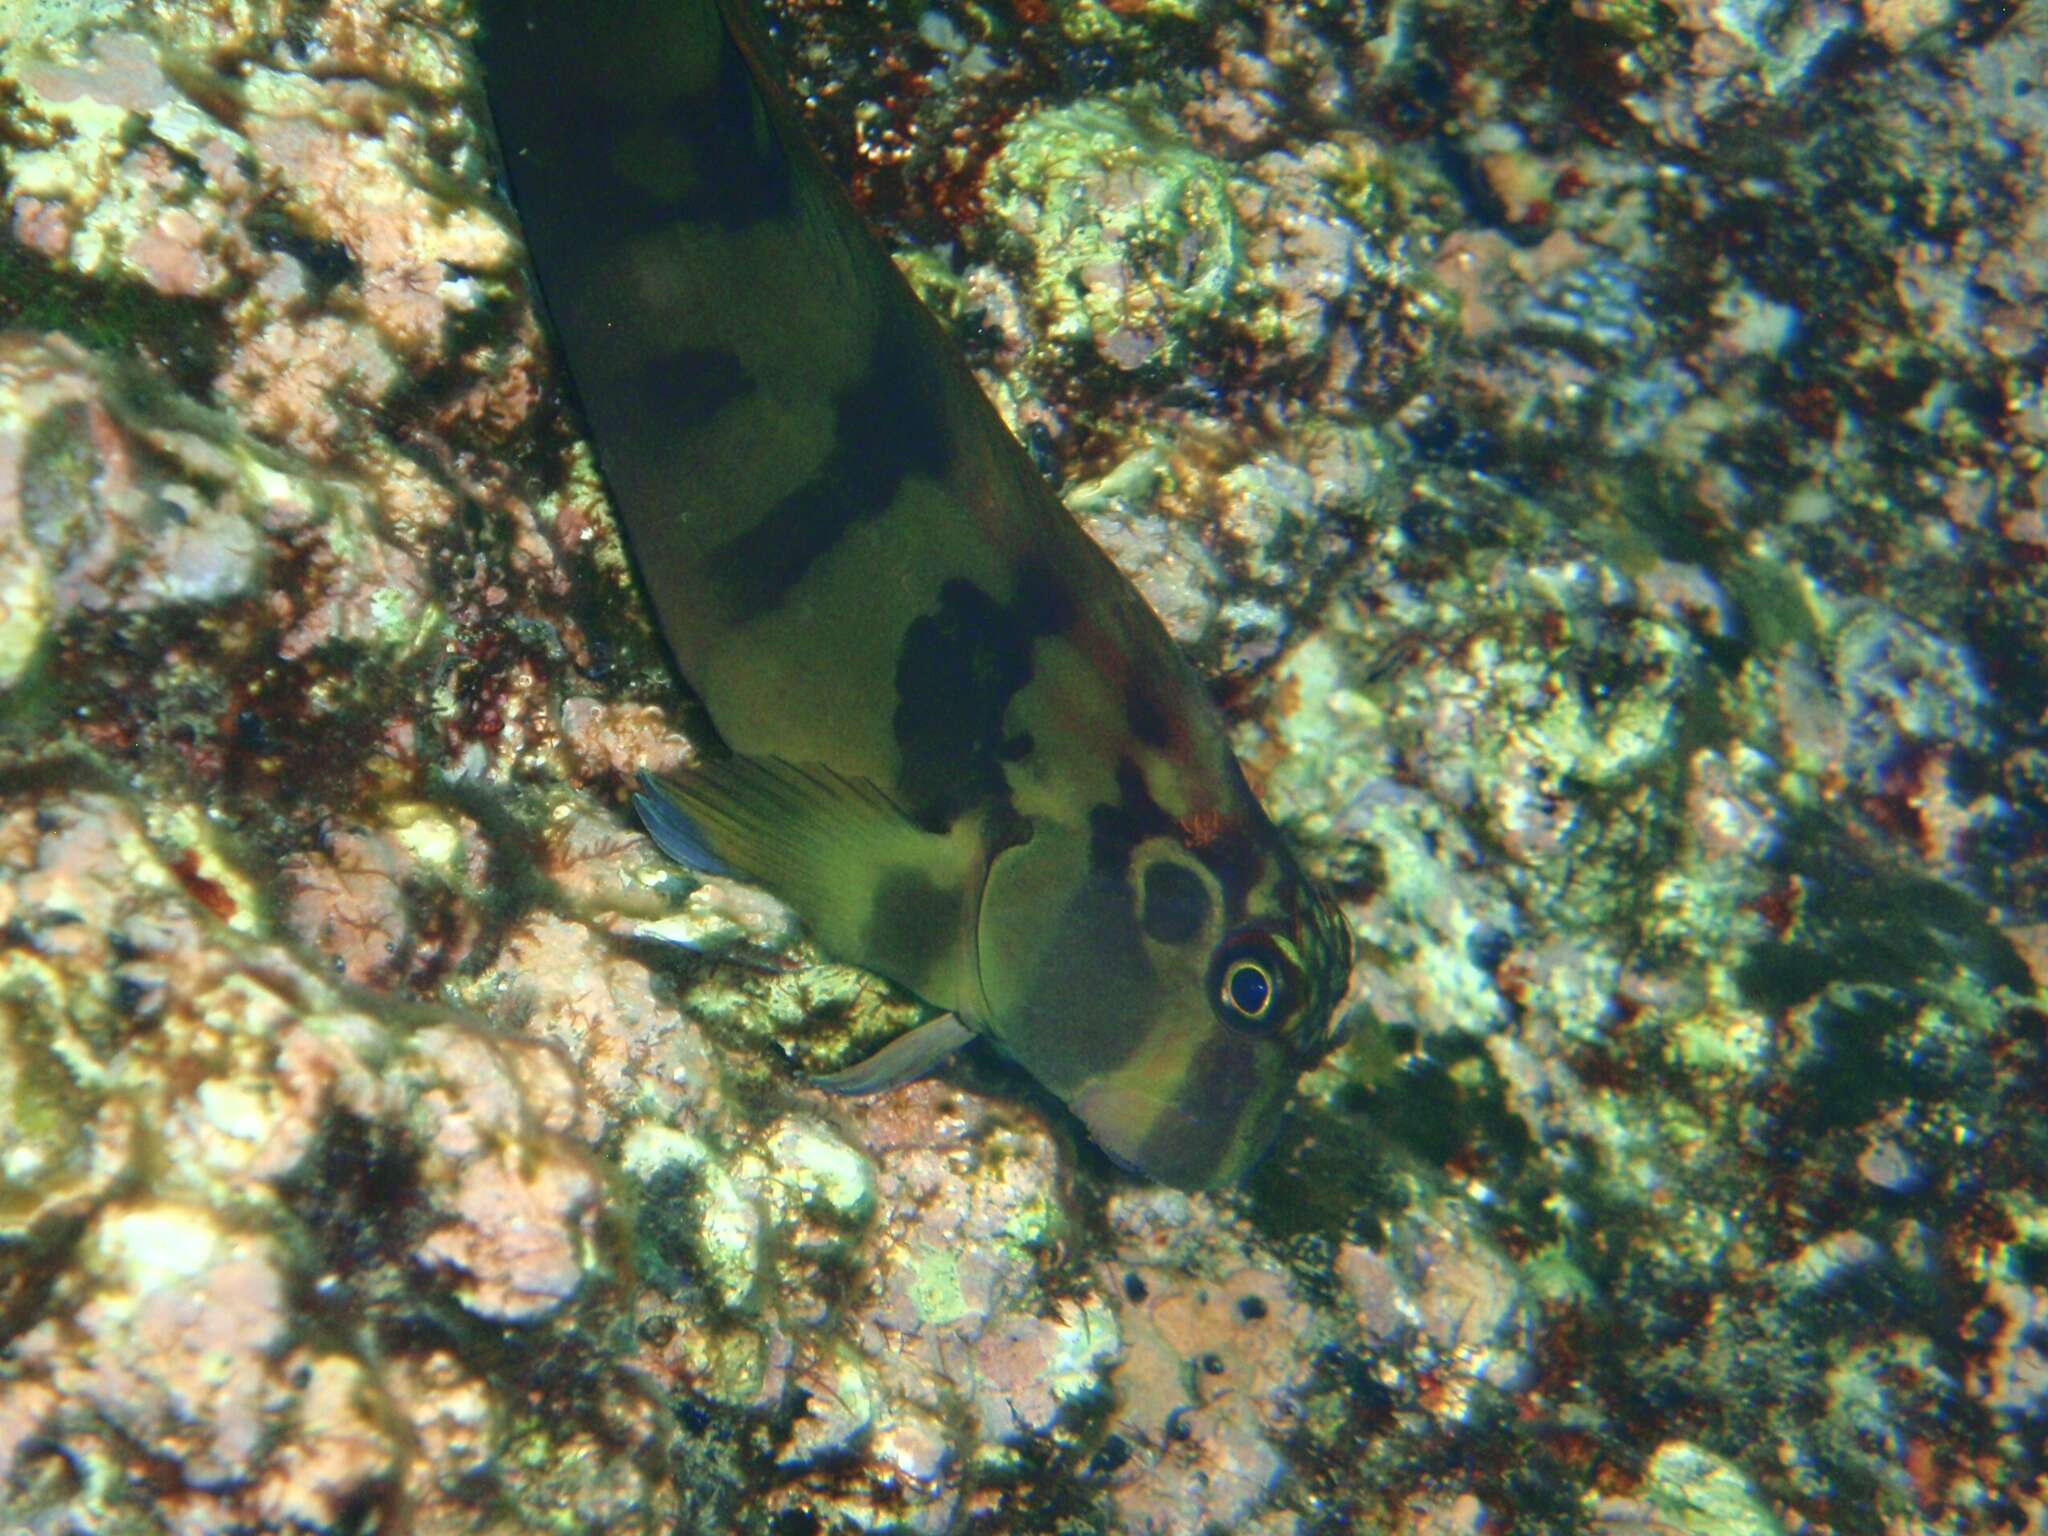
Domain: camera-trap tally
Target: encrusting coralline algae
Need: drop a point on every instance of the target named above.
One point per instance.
(1600, 449)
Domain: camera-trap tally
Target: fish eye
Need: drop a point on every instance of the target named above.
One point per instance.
(1252, 980)
(1248, 989)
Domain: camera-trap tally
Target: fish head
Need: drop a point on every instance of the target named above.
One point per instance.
(1171, 992)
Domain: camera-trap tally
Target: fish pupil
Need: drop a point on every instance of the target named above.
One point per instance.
(1248, 988)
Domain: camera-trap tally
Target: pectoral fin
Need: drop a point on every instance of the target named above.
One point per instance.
(905, 1059)
(674, 831)
(873, 887)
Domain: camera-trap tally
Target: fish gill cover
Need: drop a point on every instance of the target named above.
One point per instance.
(1597, 452)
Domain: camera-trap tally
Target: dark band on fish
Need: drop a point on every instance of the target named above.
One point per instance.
(1114, 831)
(888, 426)
(619, 134)
(957, 670)
(694, 384)
(909, 902)
(1208, 1112)
(1144, 716)
(1239, 861)
(1097, 935)
(1042, 605)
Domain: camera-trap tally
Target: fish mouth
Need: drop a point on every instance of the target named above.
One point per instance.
(1158, 1139)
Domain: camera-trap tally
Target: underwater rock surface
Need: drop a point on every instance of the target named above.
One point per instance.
(1600, 451)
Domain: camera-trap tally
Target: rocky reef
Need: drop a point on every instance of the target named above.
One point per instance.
(1598, 449)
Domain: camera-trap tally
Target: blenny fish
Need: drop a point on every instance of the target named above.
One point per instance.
(961, 747)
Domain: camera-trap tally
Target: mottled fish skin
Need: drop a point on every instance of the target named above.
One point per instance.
(966, 751)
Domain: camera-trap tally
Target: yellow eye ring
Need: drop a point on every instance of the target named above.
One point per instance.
(1248, 989)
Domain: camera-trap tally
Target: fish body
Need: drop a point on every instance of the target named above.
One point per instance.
(963, 749)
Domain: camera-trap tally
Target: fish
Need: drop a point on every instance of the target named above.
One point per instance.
(955, 740)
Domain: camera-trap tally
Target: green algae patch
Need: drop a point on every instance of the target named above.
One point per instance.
(39, 1133)
(935, 1288)
(1332, 1176)
(187, 338)
(1094, 21)
(1863, 923)
(1776, 605)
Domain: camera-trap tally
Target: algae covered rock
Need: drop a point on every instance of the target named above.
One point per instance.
(1133, 234)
